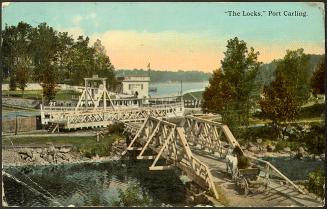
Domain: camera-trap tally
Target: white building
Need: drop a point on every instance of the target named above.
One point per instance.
(135, 85)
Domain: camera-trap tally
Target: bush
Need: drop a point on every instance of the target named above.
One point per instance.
(264, 132)
(315, 110)
(315, 139)
(316, 182)
(116, 128)
(132, 196)
(291, 144)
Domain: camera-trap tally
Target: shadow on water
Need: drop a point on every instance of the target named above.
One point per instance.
(93, 184)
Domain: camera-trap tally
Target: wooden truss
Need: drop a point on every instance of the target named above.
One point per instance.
(209, 135)
(163, 140)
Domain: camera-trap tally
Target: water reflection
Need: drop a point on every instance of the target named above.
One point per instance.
(93, 184)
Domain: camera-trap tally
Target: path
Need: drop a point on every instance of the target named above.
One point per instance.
(271, 197)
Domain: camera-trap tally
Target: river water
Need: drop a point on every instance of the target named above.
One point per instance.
(295, 169)
(94, 184)
(175, 88)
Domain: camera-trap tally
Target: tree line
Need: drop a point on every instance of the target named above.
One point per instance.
(166, 76)
(46, 56)
(232, 90)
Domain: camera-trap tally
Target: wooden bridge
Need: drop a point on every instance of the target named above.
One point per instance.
(198, 146)
(97, 108)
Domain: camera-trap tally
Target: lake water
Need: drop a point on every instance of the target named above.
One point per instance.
(170, 89)
(94, 184)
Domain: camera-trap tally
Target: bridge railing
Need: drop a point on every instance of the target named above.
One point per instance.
(195, 123)
(271, 172)
(204, 172)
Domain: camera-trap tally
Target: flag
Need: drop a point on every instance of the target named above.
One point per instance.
(148, 65)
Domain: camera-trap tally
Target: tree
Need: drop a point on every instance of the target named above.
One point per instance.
(81, 64)
(45, 47)
(65, 44)
(318, 78)
(278, 103)
(213, 94)
(15, 50)
(295, 67)
(231, 88)
(22, 74)
(103, 66)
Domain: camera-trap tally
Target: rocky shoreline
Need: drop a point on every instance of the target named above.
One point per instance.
(56, 156)
(257, 150)
(66, 155)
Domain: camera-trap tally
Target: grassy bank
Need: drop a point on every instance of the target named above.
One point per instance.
(87, 145)
(37, 94)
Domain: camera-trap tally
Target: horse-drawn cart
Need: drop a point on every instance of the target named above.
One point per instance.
(250, 180)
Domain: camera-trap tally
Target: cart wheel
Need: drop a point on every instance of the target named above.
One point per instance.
(246, 191)
(245, 187)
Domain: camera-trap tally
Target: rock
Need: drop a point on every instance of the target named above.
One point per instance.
(253, 149)
(51, 149)
(65, 150)
(26, 152)
(251, 144)
(322, 156)
(301, 150)
(259, 141)
(287, 149)
(38, 159)
(23, 156)
(50, 158)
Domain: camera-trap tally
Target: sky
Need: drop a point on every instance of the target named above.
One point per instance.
(179, 35)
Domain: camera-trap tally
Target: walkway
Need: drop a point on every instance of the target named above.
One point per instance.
(198, 146)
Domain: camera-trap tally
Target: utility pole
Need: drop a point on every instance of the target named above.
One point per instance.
(16, 128)
(181, 90)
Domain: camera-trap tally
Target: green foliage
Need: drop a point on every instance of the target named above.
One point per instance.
(49, 91)
(132, 196)
(278, 103)
(316, 182)
(280, 145)
(216, 94)
(22, 75)
(318, 78)
(296, 71)
(12, 83)
(230, 87)
(316, 110)
(315, 139)
(44, 55)
(116, 128)
(263, 132)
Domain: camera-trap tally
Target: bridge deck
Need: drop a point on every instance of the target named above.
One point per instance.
(276, 194)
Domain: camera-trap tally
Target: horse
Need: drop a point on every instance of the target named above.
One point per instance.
(231, 163)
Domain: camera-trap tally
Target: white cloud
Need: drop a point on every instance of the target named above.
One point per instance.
(77, 20)
(5, 4)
